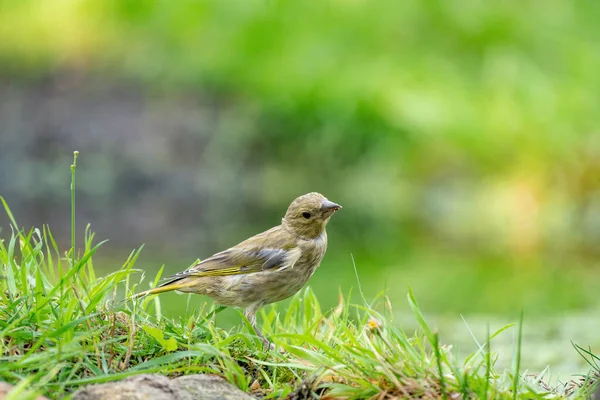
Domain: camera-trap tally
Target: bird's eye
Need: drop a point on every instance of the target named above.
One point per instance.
(306, 215)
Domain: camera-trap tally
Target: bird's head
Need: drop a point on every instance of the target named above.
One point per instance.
(308, 215)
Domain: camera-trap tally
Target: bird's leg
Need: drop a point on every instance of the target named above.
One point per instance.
(250, 313)
(266, 344)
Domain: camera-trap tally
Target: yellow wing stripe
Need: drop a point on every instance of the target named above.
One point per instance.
(219, 272)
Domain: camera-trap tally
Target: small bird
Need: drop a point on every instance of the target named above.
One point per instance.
(265, 268)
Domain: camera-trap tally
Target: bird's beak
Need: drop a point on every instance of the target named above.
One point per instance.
(329, 206)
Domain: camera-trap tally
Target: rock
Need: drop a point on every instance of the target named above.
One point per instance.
(5, 389)
(142, 387)
(133, 388)
(209, 387)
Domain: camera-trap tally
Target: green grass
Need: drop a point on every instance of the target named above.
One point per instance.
(62, 326)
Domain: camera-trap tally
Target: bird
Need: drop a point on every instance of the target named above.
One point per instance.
(266, 268)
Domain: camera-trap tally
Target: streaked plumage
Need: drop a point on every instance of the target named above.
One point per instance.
(265, 268)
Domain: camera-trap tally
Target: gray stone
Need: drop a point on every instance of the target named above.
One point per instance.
(146, 387)
(209, 387)
(139, 387)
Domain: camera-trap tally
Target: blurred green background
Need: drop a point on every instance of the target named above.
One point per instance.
(461, 137)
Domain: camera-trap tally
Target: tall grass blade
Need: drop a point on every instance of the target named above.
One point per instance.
(516, 376)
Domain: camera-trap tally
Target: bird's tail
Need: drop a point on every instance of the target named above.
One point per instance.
(175, 284)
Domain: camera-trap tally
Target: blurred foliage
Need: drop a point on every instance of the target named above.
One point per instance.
(462, 127)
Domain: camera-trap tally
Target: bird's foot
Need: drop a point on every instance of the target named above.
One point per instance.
(268, 345)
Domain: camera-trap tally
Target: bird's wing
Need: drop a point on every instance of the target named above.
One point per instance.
(236, 261)
(270, 250)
